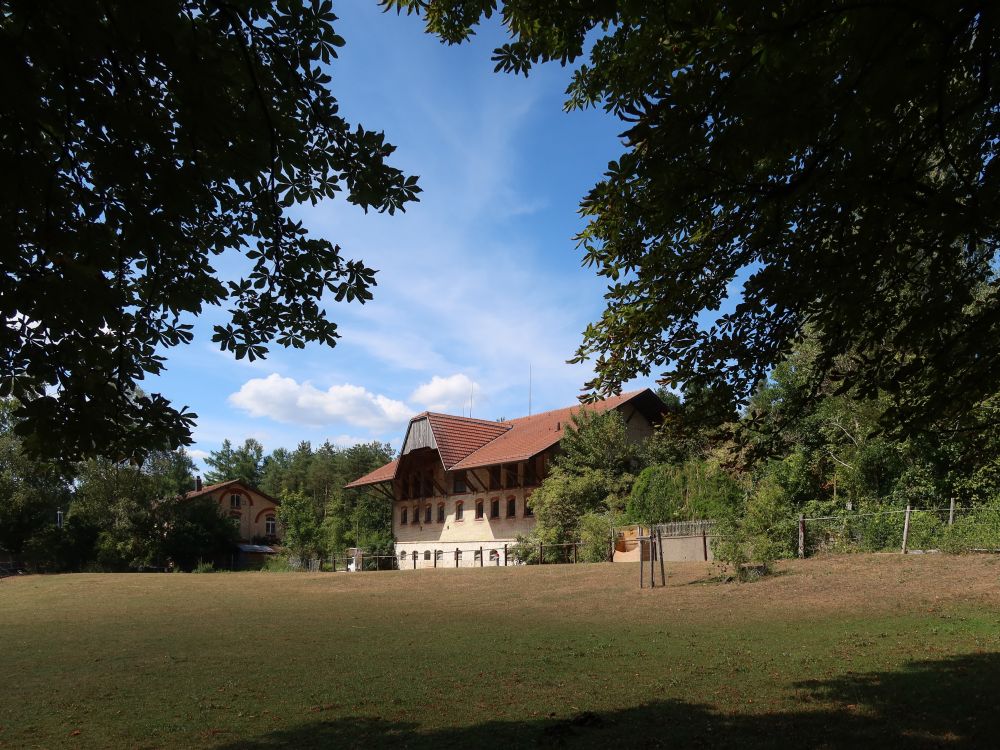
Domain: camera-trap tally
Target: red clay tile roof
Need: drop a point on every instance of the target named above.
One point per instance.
(529, 436)
(457, 437)
(465, 443)
(206, 489)
(381, 474)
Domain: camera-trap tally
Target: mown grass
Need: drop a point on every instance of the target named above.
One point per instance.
(838, 651)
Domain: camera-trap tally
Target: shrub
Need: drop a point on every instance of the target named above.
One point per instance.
(594, 531)
(975, 529)
(204, 567)
(761, 531)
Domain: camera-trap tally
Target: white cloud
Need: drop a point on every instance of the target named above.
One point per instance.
(446, 394)
(197, 454)
(286, 400)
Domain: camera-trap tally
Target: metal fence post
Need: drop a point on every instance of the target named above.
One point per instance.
(906, 527)
(541, 552)
(802, 536)
(505, 555)
(480, 557)
(663, 572)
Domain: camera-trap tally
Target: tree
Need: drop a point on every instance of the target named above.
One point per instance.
(302, 536)
(835, 159)
(692, 490)
(597, 442)
(244, 463)
(138, 143)
(31, 491)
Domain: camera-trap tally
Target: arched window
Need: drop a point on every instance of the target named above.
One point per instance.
(476, 556)
(511, 507)
(427, 554)
(235, 501)
(270, 526)
(440, 512)
(494, 555)
(479, 510)
(402, 516)
(495, 508)
(459, 510)
(427, 514)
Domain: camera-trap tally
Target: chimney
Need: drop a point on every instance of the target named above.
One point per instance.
(197, 484)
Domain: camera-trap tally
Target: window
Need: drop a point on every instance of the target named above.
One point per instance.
(528, 512)
(479, 510)
(459, 483)
(440, 512)
(510, 475)
(530, 476)
(439, 555)
(235, 501)
(402, 517)
(459, 510)
(427, 554)
(270, 526)
(494, 555)
(494, 477)
(495, 508)
(511, 507)
(477, 556)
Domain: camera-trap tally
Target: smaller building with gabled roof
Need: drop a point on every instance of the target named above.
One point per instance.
(461, 485)
(254, 513)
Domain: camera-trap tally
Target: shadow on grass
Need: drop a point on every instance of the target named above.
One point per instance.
(950, 703)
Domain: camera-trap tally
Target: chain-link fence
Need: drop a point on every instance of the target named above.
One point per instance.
(948, 529)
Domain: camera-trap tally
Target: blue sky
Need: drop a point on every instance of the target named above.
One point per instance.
(476, 282)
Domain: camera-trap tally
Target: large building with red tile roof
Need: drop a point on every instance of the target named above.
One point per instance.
(461, 487)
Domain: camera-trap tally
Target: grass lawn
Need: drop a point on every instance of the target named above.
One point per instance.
(837, 651)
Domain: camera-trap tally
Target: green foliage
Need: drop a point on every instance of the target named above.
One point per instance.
(979, 529)
(139, 143)
(597, 441)
(204, 567)
(750, 538)
(193, 530)
(244, 463)
(31, 490)
(594, 532)
(301, 526)
(693, 490)
(788, 145)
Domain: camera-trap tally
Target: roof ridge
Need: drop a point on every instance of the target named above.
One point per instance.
(493, 422)
(623, 394)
